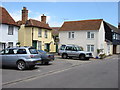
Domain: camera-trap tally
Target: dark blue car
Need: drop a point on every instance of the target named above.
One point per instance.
(46, 57)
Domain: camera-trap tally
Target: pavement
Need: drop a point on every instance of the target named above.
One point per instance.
(65, 73)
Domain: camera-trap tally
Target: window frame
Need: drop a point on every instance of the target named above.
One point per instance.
(10, 43)
(10, 30)
(71, 35)
(69, 49)
(39, 32)
(39, 45)
(90, 35)
(21, 53)
(91, 48)
(46, 32)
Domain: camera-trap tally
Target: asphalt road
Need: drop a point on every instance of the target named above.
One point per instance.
(65, 74)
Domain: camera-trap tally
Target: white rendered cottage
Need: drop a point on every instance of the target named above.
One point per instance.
(92, 35)
(8, 30)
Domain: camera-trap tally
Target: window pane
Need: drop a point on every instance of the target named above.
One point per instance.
(45, 33)
(92, 35)
(10, 30)
(69, 35)
(21, 51)
(68, 48)
(33, 51)
(39, 32)
(72, 34)
(10, 44)
(88, 48)
(11, 51)
(92, 48)
(113, 35)
(88, 34)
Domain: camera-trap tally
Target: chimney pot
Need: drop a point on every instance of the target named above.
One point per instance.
(24, 8)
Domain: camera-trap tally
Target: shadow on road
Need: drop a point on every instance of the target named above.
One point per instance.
(45, 64)
(60, 58)
(14, 68)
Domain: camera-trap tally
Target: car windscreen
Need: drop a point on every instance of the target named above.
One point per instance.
(62, 47)
(41, 51)
(2, 52)
(33, 51)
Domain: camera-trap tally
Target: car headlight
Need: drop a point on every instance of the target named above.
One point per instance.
(89, 54)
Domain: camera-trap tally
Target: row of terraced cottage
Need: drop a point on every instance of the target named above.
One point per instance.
(93, 35)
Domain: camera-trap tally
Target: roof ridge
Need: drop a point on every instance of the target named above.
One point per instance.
(34, 19)
(85, 20)
(37, 21)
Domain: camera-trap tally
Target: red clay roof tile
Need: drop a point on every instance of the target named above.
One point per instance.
(36, 23)
(5, 17)
(81, 25)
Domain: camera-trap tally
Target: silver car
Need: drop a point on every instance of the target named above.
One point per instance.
(20, 57)
(74, 51)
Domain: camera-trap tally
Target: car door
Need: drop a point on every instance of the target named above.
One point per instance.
(74, 52)
(68, 50)
(10, 57)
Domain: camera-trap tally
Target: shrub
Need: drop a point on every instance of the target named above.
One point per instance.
(102, 56)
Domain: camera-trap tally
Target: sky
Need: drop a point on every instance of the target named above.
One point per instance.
(58, 12)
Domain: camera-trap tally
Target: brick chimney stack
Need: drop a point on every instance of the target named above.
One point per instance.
(43, 18)
(24, 15)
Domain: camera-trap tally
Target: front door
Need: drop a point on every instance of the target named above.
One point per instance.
(34, 44)
(48, 47)
(10, 57)
(114, 49)
(3, 46)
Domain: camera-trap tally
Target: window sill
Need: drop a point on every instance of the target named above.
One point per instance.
(39, 36)
(10, 34)
(90, 38)
(71, 38)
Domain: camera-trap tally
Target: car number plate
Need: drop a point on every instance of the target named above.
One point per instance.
(38, 61)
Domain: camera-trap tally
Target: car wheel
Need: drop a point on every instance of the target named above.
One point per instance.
(21, 65)
(64, 56)
(82, 57)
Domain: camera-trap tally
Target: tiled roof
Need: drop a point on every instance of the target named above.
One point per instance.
(81, 25)
(36, 23)
(55, 30)
(5, 17)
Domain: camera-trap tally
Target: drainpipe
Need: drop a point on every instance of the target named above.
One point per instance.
(32, 35)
